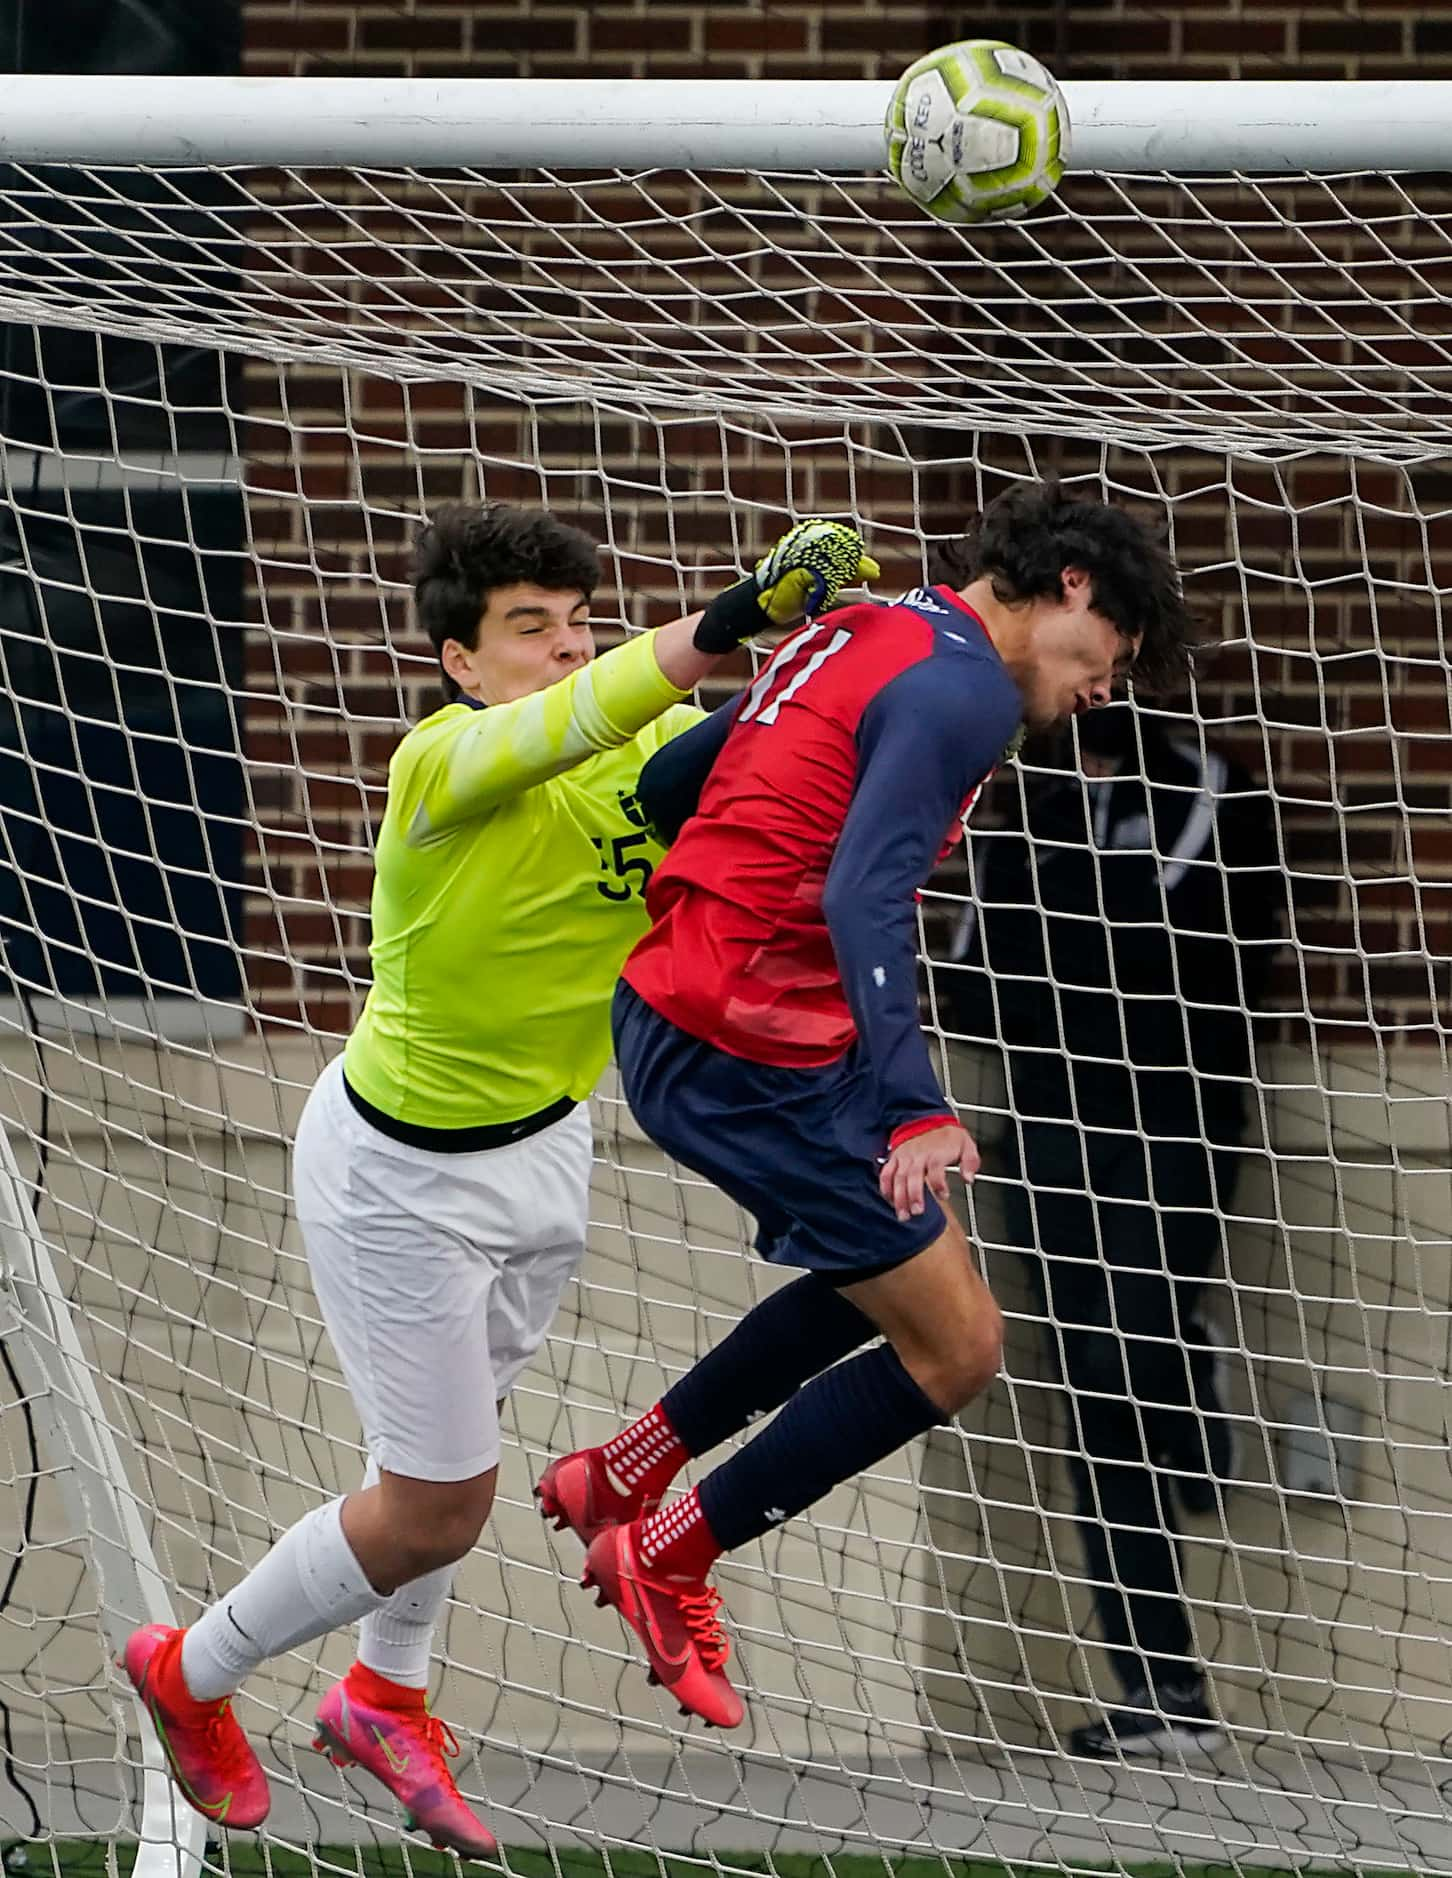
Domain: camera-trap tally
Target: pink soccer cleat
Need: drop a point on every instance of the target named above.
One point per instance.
(209, 1756)
(676, 1621)
(577, 1491)
(369, 1722)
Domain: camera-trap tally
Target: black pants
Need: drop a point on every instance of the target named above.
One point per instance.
(1119, 1278)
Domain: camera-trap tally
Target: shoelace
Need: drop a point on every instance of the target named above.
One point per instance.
(440, 1740)
(699, 1608)
(219, 1738)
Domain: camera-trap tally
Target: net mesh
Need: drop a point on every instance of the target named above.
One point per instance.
(226, 400)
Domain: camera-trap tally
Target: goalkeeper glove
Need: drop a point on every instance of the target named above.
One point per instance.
(801, 576)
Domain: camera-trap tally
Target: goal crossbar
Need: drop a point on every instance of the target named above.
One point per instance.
(1195, 126)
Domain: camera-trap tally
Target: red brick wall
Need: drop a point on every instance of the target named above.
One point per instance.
(1342, 722)
(443, 38)
(844, 38)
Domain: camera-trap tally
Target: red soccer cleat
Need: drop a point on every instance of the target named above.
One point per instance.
(209, 1756)
(366, 1721)
(677, 1623)
(577, 1491)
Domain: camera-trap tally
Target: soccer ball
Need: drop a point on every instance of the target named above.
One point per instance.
(977, 132)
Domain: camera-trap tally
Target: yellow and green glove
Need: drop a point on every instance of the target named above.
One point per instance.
(798, 578)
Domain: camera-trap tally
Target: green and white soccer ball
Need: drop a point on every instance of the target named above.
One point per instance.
(977, 132)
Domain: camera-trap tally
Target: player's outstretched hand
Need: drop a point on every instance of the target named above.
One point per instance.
(923, 1162)
(807, 569)
(802, 575)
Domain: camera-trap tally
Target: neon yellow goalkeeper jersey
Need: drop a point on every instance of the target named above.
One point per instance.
(510, 878)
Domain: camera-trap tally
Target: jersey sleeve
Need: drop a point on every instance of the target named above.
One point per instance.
(924, 743)
(672, 781)
(458, 767)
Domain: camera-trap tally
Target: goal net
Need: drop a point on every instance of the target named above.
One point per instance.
(227, 395)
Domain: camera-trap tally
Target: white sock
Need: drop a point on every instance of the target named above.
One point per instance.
(308, 1584)
(397, 1639)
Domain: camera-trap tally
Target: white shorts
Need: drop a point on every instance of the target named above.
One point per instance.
(438, 1274)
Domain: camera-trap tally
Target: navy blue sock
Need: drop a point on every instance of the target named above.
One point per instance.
(838, 1425)
(781, 1343)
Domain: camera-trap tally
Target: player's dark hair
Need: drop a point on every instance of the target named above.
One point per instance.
(469, 548)
(1025, 540)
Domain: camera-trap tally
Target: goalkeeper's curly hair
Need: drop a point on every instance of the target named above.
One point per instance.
(468, 548)
(1026, 538)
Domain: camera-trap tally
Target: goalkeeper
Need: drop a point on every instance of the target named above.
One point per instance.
(442, 1163)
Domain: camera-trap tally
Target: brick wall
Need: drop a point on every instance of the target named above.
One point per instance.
(844, 38)
(1358, 755)
(443, 38)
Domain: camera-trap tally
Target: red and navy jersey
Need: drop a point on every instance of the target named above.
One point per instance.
(784, 915)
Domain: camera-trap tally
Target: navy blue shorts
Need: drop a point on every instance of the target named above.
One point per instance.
(800, 1149)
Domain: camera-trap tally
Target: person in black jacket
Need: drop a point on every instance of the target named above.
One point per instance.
(1116, 948)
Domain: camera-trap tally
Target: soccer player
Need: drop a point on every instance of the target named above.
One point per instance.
(767, 1033)
(442, 1163)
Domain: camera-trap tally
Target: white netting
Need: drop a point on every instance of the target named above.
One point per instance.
(226, 399)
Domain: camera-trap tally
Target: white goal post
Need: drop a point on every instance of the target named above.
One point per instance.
(1185, 126)
(251, 331)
